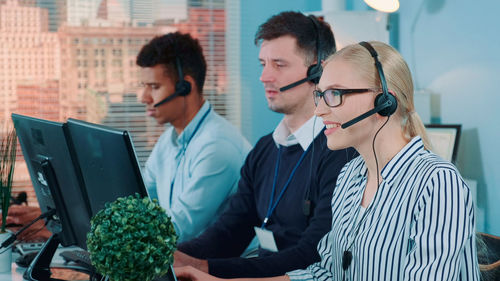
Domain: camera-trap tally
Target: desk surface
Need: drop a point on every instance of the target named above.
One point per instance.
(16, 273)
(66, 274)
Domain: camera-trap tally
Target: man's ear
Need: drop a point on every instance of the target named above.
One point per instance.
(194, 87)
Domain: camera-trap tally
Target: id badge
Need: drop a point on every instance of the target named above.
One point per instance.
(266, 239)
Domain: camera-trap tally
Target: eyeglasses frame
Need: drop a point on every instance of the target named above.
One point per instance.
(317, 95)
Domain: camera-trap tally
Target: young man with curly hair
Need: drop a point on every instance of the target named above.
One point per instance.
(195, 164)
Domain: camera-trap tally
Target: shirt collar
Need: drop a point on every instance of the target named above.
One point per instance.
(392, 168)
(402, 158)
(303, 136)
(187, 133)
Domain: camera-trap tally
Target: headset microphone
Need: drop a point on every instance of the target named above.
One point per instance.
(315, 75)
(182, 87)
(366, 114)
(385, 103)
(314, 71)
(167, 99)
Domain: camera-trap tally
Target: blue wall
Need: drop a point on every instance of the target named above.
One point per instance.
(257, 119)
(453, 48)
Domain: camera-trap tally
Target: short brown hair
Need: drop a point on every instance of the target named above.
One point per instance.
(303, 29)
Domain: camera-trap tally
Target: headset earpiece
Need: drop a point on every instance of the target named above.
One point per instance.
(390, 108)
(314, 71)
(182, 87)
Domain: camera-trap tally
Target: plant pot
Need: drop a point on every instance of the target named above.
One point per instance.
(5, 254)
(488, 253)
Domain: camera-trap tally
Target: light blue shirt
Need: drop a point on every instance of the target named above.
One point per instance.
(419, 225)
(193, 174)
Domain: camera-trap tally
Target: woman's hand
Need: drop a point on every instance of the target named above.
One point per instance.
(189, 273)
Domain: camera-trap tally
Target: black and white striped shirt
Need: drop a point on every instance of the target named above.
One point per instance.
(419, 225)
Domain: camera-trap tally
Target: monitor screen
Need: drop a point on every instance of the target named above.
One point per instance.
(107, 161)
(56, 180)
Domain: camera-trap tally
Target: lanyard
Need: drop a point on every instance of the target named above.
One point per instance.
(272, 206)
(183, 152)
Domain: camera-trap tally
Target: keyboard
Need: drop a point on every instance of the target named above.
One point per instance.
(80, 257)
(26, 247)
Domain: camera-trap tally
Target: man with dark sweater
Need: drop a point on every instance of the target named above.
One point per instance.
(287, 180)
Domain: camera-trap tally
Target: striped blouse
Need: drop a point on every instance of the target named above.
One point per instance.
(419, 225)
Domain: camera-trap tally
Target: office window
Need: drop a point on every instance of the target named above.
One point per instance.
(55, 44)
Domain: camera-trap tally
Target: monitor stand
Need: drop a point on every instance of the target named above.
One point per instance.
(39, 269)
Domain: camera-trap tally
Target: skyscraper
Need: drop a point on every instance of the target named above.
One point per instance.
(81, 12)
(28, 52)
(57, 12)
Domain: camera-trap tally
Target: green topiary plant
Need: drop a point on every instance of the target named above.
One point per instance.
(132, 239)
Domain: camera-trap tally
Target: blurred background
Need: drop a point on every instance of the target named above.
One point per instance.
(76, 58)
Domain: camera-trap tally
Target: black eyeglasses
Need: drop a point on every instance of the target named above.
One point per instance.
(333, 97)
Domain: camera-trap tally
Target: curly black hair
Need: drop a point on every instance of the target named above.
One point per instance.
(166, 48)
(303, 29)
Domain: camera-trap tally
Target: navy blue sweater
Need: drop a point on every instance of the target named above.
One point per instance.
(295, 233)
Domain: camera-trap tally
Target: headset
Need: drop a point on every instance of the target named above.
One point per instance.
(314, 71)
(385, 103)
(182, 87)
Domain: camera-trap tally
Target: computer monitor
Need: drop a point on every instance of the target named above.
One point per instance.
(109, 166)
(107, 161)
(55, 176)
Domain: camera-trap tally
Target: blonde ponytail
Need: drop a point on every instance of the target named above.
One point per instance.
(413, 126)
